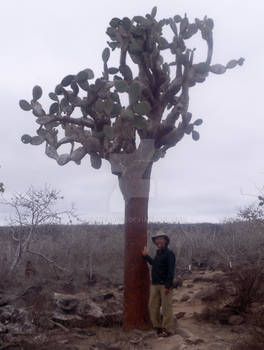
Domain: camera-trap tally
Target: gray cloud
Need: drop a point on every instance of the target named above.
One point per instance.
(43, 41)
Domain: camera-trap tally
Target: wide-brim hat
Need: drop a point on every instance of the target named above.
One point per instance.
(160, 234)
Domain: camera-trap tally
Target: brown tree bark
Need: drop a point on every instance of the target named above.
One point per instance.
(136, 273)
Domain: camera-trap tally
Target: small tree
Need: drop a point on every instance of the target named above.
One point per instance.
(143, 98)
(2, 188)
(252, 217)
(30, 210)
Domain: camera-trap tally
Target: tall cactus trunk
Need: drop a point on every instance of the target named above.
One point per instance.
(136, 273)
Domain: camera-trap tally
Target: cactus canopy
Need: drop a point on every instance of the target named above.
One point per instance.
(92, 112)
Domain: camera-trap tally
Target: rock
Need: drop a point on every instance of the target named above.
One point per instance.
(91, 282)
(110, 307)
(198, 295)
(175, 322)
(180, 315)
(236, 320)
(31, 294)
(68, 287)
(177, 282)
(81, 311)
(108, 284)
(259, 330)
(223, 317)
(120, 288)
(174, 342)
(58, 346)
(210, 293)
(202, 279)
(5, 316)
(183, 347)
(102, 297)
(16, 319)
(67, 303)
(10, 314)
(238, 329)
(85, 332)
(219, 346)
(80, 304)
(198, 341)
(68, 320)
(136, 341)
(108, 296)
(194, 341)
(111, 319)
(98, 298)
(42, 320)
(190, 286)
(144, 334)
(230, 289)
(41, 339)
(3, 329)
(90, 311)
(4, 301)
(185, 297)
(213, 314)
(255, 305)
(102, 346)
(24, 344)
(184, 333)
(218, 276)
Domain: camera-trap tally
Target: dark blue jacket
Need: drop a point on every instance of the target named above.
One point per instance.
(163, 266)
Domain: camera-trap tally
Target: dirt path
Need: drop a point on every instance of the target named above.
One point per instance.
(189, 333)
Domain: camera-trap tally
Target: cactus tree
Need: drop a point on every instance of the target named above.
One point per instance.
(130, 116)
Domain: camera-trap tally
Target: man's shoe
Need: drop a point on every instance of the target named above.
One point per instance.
(159, 331)
(164, 333)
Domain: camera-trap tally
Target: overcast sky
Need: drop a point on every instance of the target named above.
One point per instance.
(42, 41)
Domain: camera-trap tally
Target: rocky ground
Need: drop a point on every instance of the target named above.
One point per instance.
(43, 316)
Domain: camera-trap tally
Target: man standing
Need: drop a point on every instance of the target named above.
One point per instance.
(162, 274)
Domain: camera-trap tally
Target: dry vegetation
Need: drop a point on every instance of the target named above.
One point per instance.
(87, 251)
(229, 257)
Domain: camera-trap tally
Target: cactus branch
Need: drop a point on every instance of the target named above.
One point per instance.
(107, 125)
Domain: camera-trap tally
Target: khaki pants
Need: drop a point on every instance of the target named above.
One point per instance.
(158, 299)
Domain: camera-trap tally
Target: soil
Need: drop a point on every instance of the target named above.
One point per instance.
(190, 332)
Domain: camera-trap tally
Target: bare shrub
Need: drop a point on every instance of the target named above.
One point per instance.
(248, 282)
(218, 303)
(255, 341)
(89, 250)
(215, 313)
(29, 211)
(208, 314)
(258, 317)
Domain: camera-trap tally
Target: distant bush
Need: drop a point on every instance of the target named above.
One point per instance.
(248, 282)
(97, 250)
(254, 341)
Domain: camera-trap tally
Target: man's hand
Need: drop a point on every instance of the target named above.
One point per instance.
(167, 291)
(144, 251)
